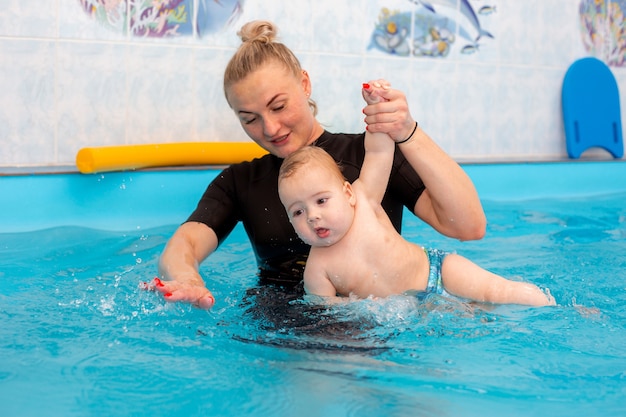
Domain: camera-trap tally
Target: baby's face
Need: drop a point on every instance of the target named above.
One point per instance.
(319, 205)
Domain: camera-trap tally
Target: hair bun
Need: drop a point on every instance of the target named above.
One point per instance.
(258, 31)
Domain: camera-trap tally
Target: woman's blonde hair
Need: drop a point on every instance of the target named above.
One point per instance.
(259, 46)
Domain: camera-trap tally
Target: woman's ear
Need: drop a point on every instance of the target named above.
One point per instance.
(306, 83)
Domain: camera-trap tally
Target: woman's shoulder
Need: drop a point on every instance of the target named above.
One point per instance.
(329, 139)
(255, 169)
(347, 149)
(345, 146)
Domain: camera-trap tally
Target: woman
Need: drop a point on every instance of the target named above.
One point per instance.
(270, 93)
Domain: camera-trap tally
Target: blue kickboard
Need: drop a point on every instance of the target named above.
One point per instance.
(591, 108)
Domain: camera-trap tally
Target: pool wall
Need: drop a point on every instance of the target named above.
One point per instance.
(142, 199)
(82, 73)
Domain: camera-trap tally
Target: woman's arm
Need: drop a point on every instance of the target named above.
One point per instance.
(178, 266)
(450, 203)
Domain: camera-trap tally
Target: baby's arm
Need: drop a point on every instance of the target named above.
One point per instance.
(379, 150)
(316, 281)
(463, 278)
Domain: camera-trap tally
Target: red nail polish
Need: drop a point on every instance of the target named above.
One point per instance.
(367, 128)
(158, 282)
(167, 294)
(366, 86)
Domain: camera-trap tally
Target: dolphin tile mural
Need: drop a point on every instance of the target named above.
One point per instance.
(163, 18)
(431, 28)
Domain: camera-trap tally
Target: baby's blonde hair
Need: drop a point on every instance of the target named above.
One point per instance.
(259, 46)
(304, 157)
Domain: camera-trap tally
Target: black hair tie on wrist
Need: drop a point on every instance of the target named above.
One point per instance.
(410, 136)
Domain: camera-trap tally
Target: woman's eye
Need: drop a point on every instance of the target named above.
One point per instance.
(249, 121)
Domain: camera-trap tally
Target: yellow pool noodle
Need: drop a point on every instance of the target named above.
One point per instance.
(128, 157)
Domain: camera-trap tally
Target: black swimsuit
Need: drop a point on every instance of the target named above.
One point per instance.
(248, 192)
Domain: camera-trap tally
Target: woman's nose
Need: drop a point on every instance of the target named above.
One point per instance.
(271, 126)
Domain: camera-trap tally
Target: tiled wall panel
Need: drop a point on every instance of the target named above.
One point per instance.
(72, 79)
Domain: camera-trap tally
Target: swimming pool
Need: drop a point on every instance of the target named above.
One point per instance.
(79, 337)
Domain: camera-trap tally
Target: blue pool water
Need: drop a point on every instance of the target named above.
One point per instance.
(79, 337)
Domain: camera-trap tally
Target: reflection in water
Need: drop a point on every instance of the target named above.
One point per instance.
(283, 318)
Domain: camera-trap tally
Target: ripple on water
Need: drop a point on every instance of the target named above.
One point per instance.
(78, 330)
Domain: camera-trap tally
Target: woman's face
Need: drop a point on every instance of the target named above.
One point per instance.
(273, 109)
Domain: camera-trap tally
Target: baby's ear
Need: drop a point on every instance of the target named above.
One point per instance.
(347, 188)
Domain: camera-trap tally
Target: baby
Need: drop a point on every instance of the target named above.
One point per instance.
(355, 250)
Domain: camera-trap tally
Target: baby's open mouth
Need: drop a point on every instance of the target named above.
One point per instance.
(322, 232)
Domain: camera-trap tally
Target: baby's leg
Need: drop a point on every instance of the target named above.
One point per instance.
(463, 278)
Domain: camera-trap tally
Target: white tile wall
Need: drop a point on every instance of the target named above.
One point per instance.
(91, 95)
(20, 18)
(68, 82)
(28, 116)
(212, 117)
(160, 95)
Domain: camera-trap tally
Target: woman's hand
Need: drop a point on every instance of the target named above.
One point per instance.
(191, 243)
(450, 203)
(173, 291)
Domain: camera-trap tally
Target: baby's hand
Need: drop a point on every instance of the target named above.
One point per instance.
(371, 91)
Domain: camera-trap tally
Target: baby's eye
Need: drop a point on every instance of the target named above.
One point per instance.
(296, 213)
(321, 201)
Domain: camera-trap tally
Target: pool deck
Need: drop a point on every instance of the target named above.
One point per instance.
(34, 199)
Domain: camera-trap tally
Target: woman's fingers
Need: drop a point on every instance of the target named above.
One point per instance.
(174, 291)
